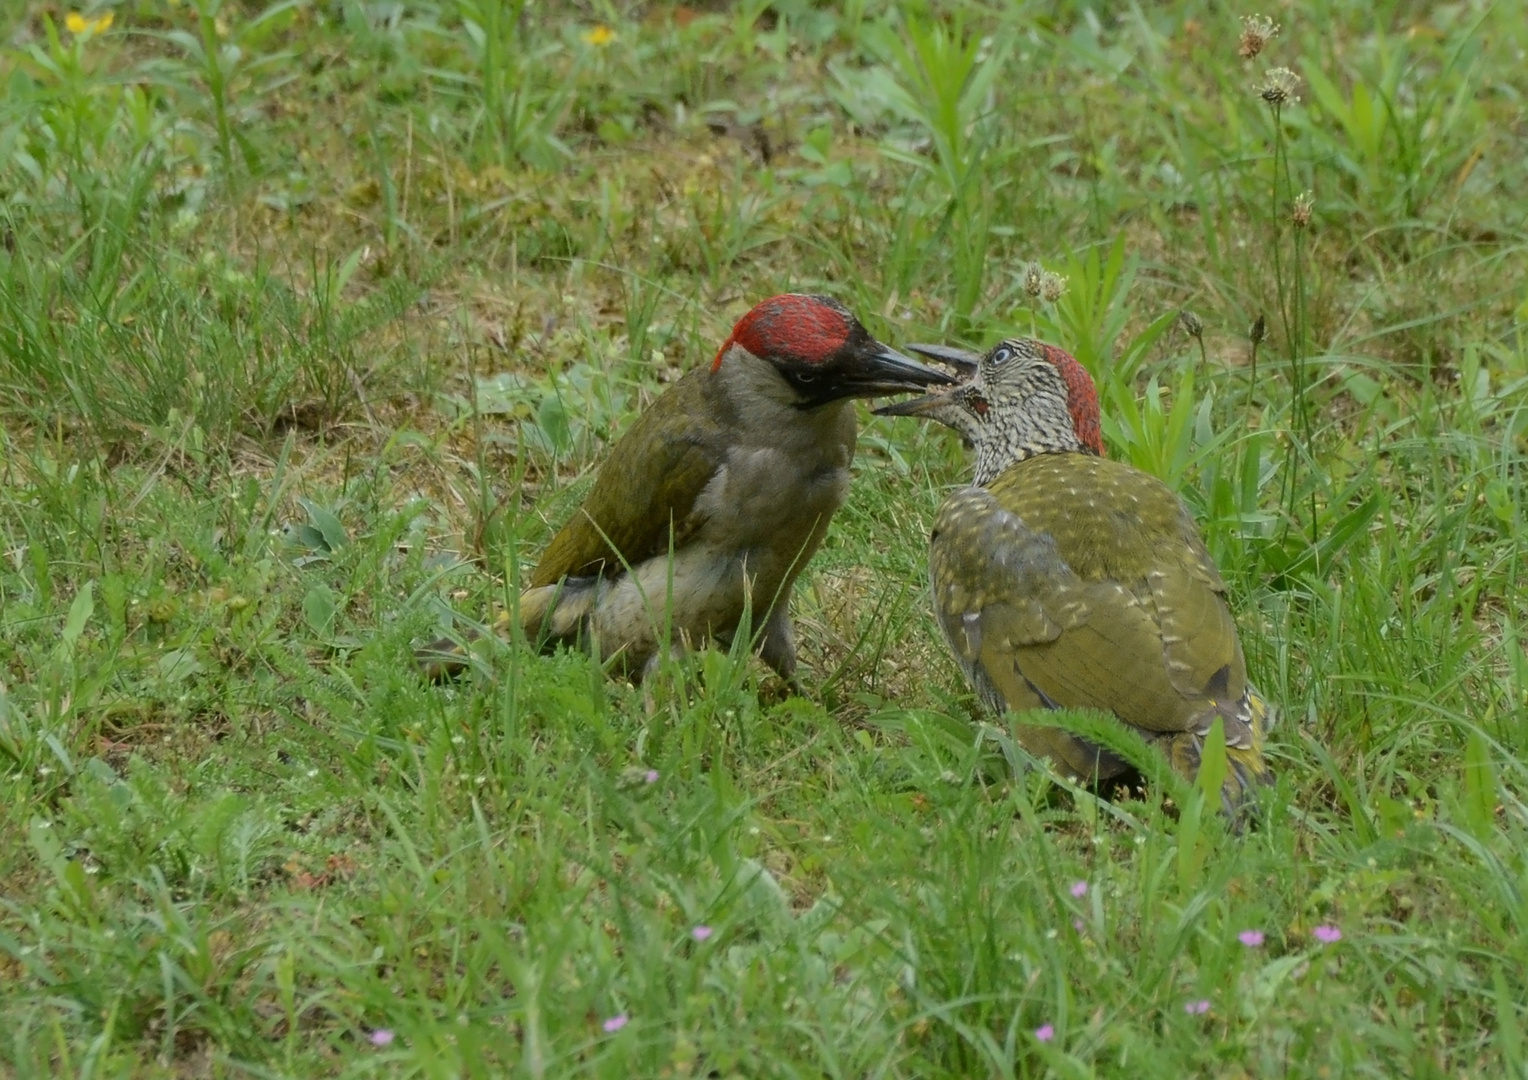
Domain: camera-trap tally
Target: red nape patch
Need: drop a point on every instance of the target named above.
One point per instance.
(806, 329)
(1081, 399)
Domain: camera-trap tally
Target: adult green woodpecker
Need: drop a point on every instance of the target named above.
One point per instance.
(1063, 579)
(720, 493)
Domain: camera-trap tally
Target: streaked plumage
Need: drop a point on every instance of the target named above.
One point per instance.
(1064, 579)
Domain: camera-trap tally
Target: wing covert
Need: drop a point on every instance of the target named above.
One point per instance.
(626, 514)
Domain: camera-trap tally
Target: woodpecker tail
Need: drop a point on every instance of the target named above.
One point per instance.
(548, 615)
(556, 613)
(1246, 729)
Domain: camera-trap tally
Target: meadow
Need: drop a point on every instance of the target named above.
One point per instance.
(316, 317)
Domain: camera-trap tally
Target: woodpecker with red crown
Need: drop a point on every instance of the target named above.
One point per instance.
(720, 493)
(1062, 579)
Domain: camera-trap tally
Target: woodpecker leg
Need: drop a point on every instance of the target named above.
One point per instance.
(674, 650)
(777, 645)
(443, 659)
(449, 658)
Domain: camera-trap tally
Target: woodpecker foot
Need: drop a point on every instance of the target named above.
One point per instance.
(773, 689)
(448, 658)
(443, 660)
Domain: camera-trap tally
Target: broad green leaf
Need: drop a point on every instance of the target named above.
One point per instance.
(79, 614)
(319, 610)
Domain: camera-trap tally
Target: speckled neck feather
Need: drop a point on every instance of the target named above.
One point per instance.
(1038, 400)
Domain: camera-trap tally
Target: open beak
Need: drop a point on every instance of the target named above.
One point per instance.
(962, 360)
(944, 407)
(886, 371)
(926, 407)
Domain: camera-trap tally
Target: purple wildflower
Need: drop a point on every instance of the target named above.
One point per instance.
(1045, 1032)
(381, 1037)
(651, 776)
(615, 1023)
(1197, 1008)
(1079, 889)
(1327, 935)
(1250, 938)
(700, 933)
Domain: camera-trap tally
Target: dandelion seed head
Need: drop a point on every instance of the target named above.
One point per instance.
(1032, 279)
(1300, 214)
(1257, 32)
(1279, 86)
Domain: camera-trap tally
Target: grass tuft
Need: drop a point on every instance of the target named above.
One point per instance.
(315, 320)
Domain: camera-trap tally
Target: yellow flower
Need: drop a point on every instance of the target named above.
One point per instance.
(599, 35)
(76, 23)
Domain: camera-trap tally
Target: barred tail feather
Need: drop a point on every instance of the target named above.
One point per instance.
(1248, 768)
(549, 615)
(556, 613)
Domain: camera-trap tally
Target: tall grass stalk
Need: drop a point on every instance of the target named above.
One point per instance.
(1298, 351)
(1277, 91)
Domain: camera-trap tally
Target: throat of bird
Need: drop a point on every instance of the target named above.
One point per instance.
(1005, 447)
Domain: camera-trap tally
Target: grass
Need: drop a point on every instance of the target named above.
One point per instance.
(315, 319)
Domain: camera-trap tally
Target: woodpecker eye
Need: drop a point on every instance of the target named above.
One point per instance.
(1002, 354)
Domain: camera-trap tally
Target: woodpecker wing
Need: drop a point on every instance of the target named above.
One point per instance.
(646, 492)
(1076, 581)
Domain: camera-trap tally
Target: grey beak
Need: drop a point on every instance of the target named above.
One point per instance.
(886, 371)
(927, 406)
(962, 360)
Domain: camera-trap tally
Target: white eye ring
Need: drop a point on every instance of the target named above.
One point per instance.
(1002, 355)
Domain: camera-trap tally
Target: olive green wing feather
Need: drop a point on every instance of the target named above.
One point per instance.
(1064, 587)
(1013, 606)
(995, 584)
(1032, 632)
(640, 503)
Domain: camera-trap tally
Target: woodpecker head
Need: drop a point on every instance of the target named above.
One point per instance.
(822, 352)
(1025, 398)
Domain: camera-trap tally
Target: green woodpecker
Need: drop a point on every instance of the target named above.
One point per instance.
(1063, 579)
(720, 493)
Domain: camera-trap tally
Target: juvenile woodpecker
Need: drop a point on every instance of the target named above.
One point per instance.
(720, 493)
(1062, 579)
